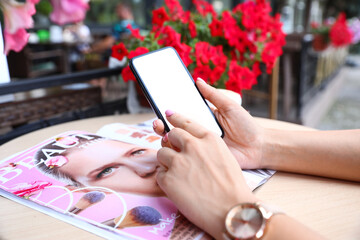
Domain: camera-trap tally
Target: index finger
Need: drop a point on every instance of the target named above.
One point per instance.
(159, 127)
(180, 121)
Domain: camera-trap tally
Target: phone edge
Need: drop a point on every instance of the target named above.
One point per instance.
(147, 95)
(152, 103)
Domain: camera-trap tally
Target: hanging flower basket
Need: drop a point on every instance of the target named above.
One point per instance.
(320, 43)
(337, 34)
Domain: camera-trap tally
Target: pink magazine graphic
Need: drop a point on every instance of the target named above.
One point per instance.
(108, 183)
(143, 135)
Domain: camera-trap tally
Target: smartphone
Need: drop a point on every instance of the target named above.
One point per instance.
(168, 85)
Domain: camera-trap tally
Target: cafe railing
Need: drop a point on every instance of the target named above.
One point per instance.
(18, 117)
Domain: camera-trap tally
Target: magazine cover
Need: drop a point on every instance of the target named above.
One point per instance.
(104, 183)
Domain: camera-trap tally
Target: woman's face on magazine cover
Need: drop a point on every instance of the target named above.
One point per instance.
(120, 166)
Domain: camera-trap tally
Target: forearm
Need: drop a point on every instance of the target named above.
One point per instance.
(284, 227)
(334, 154)
(103, 44)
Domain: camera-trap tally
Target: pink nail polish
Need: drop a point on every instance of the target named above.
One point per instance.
(165, 138)
(154, 124)
(168, 113)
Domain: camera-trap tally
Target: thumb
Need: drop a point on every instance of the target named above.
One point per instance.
(219, 100)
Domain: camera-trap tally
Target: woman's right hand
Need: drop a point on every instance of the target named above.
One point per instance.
(243, 135)
(200, 175)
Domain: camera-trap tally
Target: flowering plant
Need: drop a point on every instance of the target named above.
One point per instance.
(18, 18)
(338, 34)
(355, 29)
(224, 49)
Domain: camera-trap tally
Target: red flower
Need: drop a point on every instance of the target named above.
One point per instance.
(216, 48)
(192, 29)
(119, 51)
(271, 51)
(216, 74)
(159, 16)
(218, 57)
(240, 78)
(213, 57)
(156, 30)
(340, 34)
(184, 53)
(203, 7)
(135, 32)
(251, 46)
(127, 74)
(176, 10)
(314, 25)
(137, 52)
(185, 18)
(248, 12)
(169, 37)
(202, 53)
(202, 72)
(232, 30)
(256, 69)
(216, 28)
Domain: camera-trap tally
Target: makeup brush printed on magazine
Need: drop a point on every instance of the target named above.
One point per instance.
(86, 201)
(136, 217)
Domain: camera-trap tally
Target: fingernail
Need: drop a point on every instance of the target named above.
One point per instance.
(201, 80)
(168, 113)
(154, 124)
(165, 138)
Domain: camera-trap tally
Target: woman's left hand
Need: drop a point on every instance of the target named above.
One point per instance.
(200, 174)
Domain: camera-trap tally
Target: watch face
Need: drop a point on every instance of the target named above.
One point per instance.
(245, 221)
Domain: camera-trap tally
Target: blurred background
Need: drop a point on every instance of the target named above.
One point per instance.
(317, 86)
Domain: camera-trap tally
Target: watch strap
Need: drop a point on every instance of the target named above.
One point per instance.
(270, 209)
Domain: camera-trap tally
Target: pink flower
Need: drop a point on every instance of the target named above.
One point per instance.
(28, 189)
(17, 17)
(15, 41)
(68, 11)
(57, 161)
(68, 140)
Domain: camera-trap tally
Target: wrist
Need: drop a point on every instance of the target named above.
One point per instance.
(271, 146)
(249, 220)
(240, 199)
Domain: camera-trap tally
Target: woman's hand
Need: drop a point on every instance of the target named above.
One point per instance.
(242, 135)
(200, 174)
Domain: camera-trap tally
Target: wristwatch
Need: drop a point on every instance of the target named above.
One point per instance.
(247, 221)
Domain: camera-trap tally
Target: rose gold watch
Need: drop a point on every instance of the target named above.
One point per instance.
(247, 221)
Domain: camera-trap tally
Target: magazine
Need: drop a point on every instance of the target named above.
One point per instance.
(103, 182)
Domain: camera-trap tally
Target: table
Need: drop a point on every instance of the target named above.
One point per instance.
(329, 206)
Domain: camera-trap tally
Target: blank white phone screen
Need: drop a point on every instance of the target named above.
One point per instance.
(171, 87)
